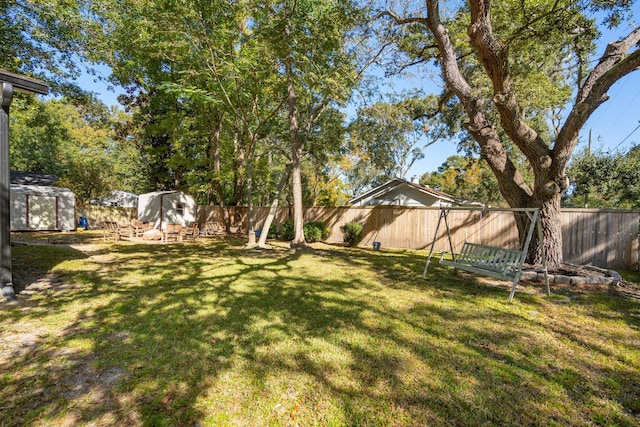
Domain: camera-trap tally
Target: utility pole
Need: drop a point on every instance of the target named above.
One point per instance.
(586, 194)
(9, 82)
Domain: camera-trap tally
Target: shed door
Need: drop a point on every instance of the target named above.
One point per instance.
(18, 211)
(43, 213)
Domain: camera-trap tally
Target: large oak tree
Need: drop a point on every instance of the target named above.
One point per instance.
(509, 71)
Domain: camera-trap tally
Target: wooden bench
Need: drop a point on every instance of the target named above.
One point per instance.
(499, 263)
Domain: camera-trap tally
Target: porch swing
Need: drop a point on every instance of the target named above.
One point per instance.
(497, 262)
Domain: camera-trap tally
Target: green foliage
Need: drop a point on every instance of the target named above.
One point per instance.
(316, 231)
(273, 232)
(286, 230)
(605, 180)
(387, 138)
(351, 233)
(77, 144)
(38, 135)
(51, 40)
(466, 178)
(194, 61)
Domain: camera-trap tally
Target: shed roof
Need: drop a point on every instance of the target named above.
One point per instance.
(43, 190)
(31, 178)
(159, 193)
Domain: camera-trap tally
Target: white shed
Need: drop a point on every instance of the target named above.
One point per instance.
(167, 207)
(37, 207)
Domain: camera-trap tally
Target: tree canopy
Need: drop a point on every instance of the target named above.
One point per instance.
(466, 178)
(83, 150)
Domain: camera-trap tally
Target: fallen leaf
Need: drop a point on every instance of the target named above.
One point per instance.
(168, 397)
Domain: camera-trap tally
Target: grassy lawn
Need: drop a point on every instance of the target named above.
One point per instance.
(209, 334)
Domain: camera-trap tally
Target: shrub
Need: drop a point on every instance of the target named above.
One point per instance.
(351, 233)
(313, 231)
(316, 231)
(287, 230)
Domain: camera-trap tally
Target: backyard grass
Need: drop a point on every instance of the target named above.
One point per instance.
(209, 334)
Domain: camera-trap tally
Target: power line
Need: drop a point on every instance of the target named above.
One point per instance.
(627, 137)
(607, 106)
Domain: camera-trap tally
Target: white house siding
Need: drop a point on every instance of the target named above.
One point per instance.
(149, 208)
(43, 212)
(403, 195)
(18, 210)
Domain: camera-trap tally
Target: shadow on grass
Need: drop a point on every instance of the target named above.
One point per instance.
(209, 333)
(33, 263)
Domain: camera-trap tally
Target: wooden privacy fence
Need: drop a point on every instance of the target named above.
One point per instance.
(97, 215)
(601, 237)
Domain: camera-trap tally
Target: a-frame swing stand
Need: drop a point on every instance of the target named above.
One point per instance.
(492, 261)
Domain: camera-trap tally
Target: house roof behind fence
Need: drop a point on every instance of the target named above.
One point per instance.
(393, 183)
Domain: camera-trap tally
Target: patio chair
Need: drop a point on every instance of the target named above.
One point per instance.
(191, 232)
(212, 228)
(173, 231)
(140, 227)
(114, 230)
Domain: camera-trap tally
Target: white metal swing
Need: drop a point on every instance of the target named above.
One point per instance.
(492, 261)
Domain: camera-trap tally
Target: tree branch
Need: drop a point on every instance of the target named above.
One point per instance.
(512, 184)
(402, 21)
(527, 26)
(615, 63)
(494, 58)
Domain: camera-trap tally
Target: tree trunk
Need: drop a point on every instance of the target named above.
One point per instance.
(215, 167)
(177, 178)
(296, 156)
(251, 234)
(548, 177)
(551, 233)
(262, 242)
(238, 168)
(214, 158)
